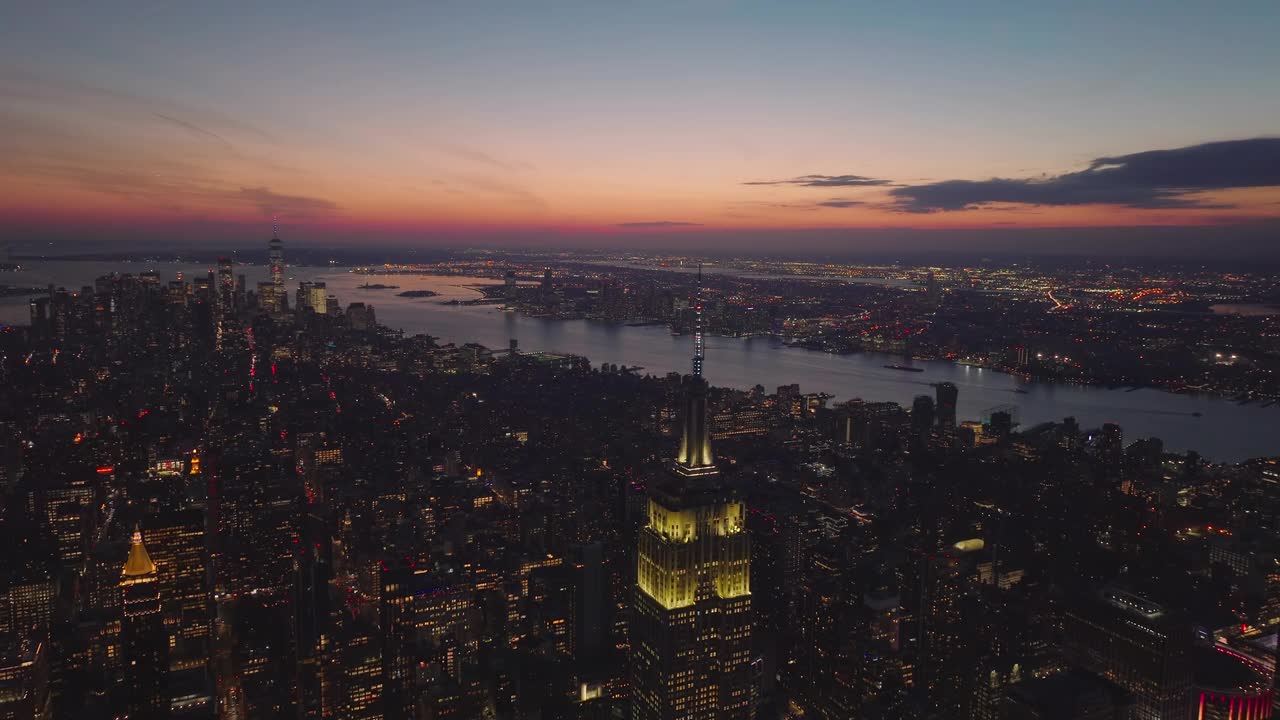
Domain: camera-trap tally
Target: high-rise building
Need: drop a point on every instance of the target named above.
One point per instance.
(67, 511)
(178, 549)
(351, 679)
(28, 599)
(931, 287)
(1138, 644)
(947, 396)
(313, 295)
(24, 676)
(940, 638)
(396, 620)
(690, 634)
(885, 610)
(1071, 695)
(1111, 446)
(921, 421)
(144, 643)
(226, 284)
(275, 256)
(1000, 426)
(361, 316)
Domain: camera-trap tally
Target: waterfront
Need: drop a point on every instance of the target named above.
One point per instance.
(1223, 431)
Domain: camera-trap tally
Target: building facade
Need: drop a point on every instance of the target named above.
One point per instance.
(690, 652)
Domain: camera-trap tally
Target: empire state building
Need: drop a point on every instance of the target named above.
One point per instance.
(691, 628)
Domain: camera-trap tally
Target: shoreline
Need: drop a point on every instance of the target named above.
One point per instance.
(1029, 378)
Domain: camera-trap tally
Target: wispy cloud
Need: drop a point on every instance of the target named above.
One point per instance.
(1155, 179)
(487, 185)
(154, 177)
(60, 132)
(43, 93)
(194, 129)
(292, 206)
(810, 206)
(480, 157)
(826, 181)
(658, 224)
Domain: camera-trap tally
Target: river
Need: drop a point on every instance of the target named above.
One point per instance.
(1224, 431)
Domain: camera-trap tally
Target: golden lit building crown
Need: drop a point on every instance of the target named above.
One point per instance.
(688, 547)
(139, 562)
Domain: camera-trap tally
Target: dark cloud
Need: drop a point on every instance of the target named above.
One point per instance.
(832, 203)
(294, 206)
(1161, 179)
(658, 224)
(825, 181)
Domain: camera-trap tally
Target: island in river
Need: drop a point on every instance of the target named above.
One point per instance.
(417, 294)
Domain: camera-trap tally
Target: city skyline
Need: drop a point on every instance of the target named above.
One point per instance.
(680, 360)
(272, 505)
(722, 125)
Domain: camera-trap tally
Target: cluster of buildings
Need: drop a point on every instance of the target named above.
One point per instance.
(222, 504)
(1180, 329)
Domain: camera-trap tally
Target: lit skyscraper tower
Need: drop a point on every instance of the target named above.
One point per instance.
(144, 643)
(226, 284)
(697, 328)
(276, 247)
(691, 628)
(276, 258)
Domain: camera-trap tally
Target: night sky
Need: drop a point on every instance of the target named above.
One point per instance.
(760, 125)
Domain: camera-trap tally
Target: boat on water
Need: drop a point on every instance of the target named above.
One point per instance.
(906, 368)
(1196, 414)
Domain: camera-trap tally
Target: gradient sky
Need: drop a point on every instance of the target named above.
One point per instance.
(763, 123)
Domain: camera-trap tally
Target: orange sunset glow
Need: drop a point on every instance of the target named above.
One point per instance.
(594, 128)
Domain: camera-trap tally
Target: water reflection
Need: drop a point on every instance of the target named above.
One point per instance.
(1224, 431)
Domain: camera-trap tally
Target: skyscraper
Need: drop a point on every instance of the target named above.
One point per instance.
(144, 643)
(226, 285)
(178, 548)
(691, 627)
(922, 415)
(24, 675)
(273, 297)
(1141, 646)
(276, 254)
(948, 394)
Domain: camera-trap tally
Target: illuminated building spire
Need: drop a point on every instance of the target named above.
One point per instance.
(144, 642)
(139, 562)
(690, 629)
(697, 327)
(276, 261)
(695, 458)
